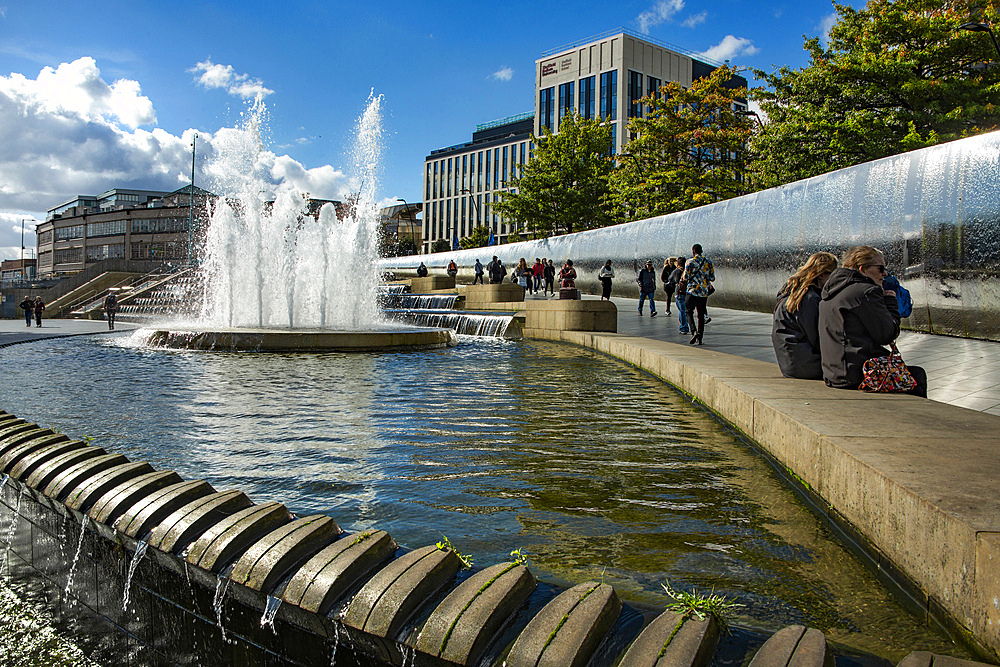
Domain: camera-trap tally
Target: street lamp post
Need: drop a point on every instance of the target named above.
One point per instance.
(406, 208)
(972, 26)
(479, 215)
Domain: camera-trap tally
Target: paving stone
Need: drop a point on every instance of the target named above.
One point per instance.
(13, 455)
(186, 524)
(276, 554)
(146, 514)
(228, 539)
(43, 475)
(90, 490)
(31, 462)
(330, 573)
(928, 659)
(568, 630)
(63, 483)
(794, 646)
(118, 499)
(11, 441)
(383, 605)
(674, 640)
(461, 628)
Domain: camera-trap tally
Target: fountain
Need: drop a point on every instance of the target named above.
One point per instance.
(278, 277)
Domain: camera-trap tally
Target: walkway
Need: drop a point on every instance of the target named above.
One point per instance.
(13, 332)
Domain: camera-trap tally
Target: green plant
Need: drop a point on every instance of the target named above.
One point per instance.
(519, 557)
(445, 545)
(89, 439)
(700, 605)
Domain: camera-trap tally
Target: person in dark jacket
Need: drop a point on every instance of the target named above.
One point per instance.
(668, 287)
(795, 330)
(28, 307)
(39, 307)
(422, 270)
(857, 317)
(647, 288)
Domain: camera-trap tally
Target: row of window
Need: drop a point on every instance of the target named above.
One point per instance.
(71, 232)
(585, 103)
(115, 228)
(69, 256)
(96, 253)
(445, 219)
(473, 172)
(159, 250)
(159, 225)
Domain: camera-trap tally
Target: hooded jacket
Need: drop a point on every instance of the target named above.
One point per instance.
(855, 321)
(795, 336)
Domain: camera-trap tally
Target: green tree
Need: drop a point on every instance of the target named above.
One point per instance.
(688, 150)
(477, 239)
(562, 188)
(441, 245)
(895, 76)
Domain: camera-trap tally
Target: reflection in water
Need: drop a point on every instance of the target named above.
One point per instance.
(595, 469)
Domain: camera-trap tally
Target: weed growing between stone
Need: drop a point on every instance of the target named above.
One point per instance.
(701, 606)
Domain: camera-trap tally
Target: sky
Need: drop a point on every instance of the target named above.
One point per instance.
(100, 95)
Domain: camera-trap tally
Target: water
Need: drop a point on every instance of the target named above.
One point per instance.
(15, 517)
(270, 611)
(76, 556)
(218, 603)
(140, 551)
(596, 470)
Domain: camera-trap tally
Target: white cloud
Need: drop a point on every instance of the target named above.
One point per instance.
(694, 19)
(661, 12)
(754, 105)
(69, 132)
(503, 74)
(213, 75)
(730, 47)
(825, 26)
(3, 12)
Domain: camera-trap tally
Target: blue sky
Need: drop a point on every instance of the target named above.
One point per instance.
(99, 95)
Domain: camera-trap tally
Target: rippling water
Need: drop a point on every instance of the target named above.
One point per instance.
(593, 468)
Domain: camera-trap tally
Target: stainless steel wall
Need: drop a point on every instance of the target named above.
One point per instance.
(935, 213)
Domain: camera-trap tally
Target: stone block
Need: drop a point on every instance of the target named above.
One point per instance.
(569, 293)
(188, 523)
(62, 484)
(15, 426)
(48, 471)
(14, 455)
(228, 539)
(327, 576)
(987, 588)
(566, 315)
(147, 513)
(37, 434)
(389, 598)
(28, 463)
(674, 640)
(431, 284)
(481, 297)
(568, 630)
(928, 659)
(117, 500)
(461, 628)
(83, 496)
(796, 646)
(276, 554)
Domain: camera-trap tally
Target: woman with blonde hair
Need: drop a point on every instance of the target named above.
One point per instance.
(795, 330)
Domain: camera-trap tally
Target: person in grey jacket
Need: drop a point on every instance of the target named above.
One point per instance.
(647, 288)
(857, 317)
(795, 328)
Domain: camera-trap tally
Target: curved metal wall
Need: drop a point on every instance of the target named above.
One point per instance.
(935, 213)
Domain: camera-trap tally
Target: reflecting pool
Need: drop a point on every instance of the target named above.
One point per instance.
(595, 469)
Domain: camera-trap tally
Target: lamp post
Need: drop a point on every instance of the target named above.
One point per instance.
(750, 113)
(972, 26)
(406, 208)
(194, 148)
(479, 214)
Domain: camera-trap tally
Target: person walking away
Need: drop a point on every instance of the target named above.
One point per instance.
(857, 317)
(550, 278)
(479, 273)
(605, 275)
(422, 270)
(699, 274)
(537, 269)
(668, 287)
(677, 280)
(647, 288)
(111, 309)
(795, 328)
(493, 269)
(38, 307)
(28, 307)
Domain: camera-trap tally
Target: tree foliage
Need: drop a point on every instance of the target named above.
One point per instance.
(440, 245)
(687, 151)
(896, 75)
(479, 237)
(562, 188)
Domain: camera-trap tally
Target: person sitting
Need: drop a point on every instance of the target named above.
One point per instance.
(856, 318)
(422, 271)
(452, 269)
(795, 329)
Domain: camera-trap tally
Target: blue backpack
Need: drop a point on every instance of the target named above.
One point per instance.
(902, 295)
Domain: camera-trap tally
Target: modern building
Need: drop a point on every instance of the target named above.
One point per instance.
(17, 270)
(400, 224)
(599, 77)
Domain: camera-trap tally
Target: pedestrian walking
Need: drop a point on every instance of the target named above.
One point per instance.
(549, 274)
(677, 280)
(38, 307)
(537, 269)
(28, 307)
(699, 274)
(111, 309)
(647, 288)
(605, 275)
(479, 273)
(668, 287)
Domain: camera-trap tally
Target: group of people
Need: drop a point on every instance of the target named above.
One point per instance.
(830, 319)
(36, 308)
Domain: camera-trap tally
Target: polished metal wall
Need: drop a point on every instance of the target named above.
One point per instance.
(935, 213)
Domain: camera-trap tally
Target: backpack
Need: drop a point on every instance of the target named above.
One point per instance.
(903, 298)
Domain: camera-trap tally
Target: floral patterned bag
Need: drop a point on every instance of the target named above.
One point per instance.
(887, 375)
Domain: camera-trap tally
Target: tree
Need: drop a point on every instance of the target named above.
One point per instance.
(896, 75)
(441, 245)
(562, 188)
(689, 150)
(479, 237)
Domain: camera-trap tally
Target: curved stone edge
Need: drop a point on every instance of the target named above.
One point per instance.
(794, 645)
(186, 524)
(30, 462)
(928, 659)
(12, 441)
(304, 341)
(13, 456)
(116, 501)
(276, 554)
(148, 512)
(83, 496)
(569, 629)
(227, 540)
(461, 628)
(675, 640)
(51, 470)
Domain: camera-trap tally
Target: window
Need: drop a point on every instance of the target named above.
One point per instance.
(653, 87)
(67, 233)
(427, 182)
(479, 172)
(496, 167)
(565, 98)
(159, 250)
(45, 237)
(110, 228)
(504, 170)
(95, 253)
(546, 102)
(634, 94)
(435, 190)
(465, 172)
(448, 194)
(609, 95)
(159, 225)
(488, 169)
(463, 219)
(587, 97)
(69, 256)
(614, 138)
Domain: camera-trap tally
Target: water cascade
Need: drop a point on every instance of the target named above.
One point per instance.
(76, 556)
(270, 610)
(140, 551)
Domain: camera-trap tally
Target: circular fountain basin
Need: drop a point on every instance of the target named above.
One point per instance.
(303, 340)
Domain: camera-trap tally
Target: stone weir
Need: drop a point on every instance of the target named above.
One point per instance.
(168, 571)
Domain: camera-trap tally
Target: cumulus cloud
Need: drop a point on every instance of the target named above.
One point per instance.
(69, 132)
(825, 26)
(503, 74)
(662, 11)
(212, 75)
(694, 19)
(730, 47)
